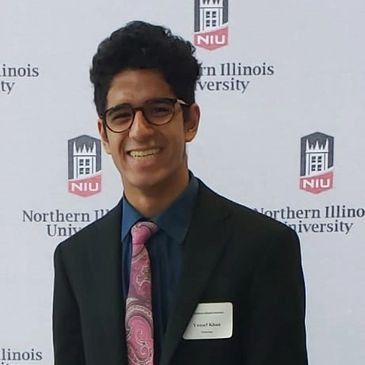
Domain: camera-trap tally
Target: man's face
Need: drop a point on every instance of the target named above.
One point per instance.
(149, 158)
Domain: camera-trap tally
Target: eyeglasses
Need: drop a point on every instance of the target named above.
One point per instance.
(119, 118)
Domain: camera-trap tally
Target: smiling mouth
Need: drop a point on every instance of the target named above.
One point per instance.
(144, 153)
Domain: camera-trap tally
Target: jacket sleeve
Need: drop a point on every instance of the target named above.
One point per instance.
(67, 336)
(277, 306)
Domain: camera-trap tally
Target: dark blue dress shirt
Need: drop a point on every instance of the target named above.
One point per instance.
(165, 250)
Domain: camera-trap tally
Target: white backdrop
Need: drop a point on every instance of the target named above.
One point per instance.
(302, 72)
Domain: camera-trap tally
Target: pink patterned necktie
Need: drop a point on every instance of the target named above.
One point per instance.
(138, 319)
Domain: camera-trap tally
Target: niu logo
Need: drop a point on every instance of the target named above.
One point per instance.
(211, 24)
(84, 166)
(316, 163)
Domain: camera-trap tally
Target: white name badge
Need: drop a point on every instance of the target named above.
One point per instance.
(210, 321)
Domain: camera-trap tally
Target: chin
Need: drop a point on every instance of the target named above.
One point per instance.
(157, 179)
(145, 182)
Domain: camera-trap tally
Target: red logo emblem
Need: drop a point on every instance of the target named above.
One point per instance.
(211, 24)
(316, 166)
(84, 166)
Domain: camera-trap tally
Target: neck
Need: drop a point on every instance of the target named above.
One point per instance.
(154, 200)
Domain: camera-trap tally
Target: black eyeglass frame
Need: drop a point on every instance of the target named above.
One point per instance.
(141, 108)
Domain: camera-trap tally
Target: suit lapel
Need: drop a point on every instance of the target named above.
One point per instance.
(203, 246)
(105, 259)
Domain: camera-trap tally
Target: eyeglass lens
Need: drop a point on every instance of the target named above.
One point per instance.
(157, 112)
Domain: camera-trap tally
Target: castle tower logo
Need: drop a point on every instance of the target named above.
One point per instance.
(316, 163)
(211, 24)
(84, 166)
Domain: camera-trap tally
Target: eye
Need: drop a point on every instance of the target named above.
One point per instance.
(120, 115)
(159, 109)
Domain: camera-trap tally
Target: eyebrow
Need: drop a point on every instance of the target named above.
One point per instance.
(159, 98)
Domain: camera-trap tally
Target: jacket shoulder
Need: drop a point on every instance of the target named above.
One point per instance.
(88, 235)
(243, 216)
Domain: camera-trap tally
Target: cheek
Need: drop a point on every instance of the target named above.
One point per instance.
(179, 145)
(116, 149)
(107, 148)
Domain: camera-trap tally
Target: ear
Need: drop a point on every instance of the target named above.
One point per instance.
(103, 136)
(192, 122)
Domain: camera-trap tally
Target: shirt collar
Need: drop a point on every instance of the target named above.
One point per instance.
(130, 216)
(174, 220)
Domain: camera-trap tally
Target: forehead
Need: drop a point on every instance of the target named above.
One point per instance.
(137, 86)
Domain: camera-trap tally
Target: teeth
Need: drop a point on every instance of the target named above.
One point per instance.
(140, 154)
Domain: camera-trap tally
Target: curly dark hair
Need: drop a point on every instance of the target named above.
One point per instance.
(140, 45)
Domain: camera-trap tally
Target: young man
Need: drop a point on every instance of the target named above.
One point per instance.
(174, 274)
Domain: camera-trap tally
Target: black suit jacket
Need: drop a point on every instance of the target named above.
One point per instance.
(231, 254)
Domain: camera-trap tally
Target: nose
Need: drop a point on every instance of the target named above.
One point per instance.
(140, 128)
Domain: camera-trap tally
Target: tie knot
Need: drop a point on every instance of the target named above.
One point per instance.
(142, 231)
